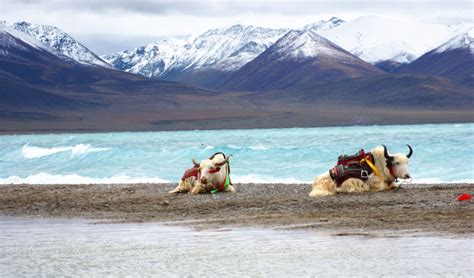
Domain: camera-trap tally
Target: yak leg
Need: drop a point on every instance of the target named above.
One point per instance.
(184, 186)
(393, 186)
(198, 188)
(323, 185)
(230, 188)
(174, 191)
(378, 184)
(181, 188)
(353, 185)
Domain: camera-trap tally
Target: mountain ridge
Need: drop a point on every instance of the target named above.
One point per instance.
(60, 43)
(453, 59)
(317, 84)
(294, 58)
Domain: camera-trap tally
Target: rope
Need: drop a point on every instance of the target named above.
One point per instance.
(399, 185)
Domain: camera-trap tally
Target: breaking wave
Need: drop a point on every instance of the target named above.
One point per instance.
(45, 178)
(37, 152)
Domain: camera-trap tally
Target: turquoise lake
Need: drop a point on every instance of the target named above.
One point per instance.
(442, 153)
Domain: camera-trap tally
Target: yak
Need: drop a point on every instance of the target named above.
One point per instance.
(388, 168)
(208, 176)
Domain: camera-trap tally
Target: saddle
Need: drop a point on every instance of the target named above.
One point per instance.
(352, 166)
(191, 172)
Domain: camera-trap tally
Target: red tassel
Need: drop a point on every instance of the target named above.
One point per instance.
(464, 197)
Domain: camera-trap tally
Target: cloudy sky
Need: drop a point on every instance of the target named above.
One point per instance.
(107, 26)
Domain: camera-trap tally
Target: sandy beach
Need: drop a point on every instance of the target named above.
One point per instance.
(427, 209)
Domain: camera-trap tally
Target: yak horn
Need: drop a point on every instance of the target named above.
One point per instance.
(225, 161)
(410, 152)
(385, 153)
(197, 164)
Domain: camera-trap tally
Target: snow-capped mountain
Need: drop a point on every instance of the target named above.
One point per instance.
(298, 58)
(60, 43)
(227, 49)
(217, 53)
(453, 59)
(221, 50)
(206, 59)
(375, 39)
(304, 45)
(308, 78)
(37, 84)
(150, 60)
(303, 67)
(10, 38)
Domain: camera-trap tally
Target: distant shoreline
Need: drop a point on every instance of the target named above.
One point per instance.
(426, 209)
(85, 131)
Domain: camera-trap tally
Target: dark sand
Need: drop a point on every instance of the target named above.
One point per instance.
(427, 209)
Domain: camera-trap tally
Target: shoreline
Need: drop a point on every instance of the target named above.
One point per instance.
(426, 209)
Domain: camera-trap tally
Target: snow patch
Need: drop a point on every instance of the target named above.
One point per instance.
(464, 40)
(307, 44)
(375, 38)
(9, 42)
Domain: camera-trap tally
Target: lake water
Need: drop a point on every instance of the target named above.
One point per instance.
(442, 153)
(76, 248)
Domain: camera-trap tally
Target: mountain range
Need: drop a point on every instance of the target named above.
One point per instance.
(205, 60)
(209, 59)
(325, 73)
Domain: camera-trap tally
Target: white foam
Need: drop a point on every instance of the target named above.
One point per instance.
(36, 152)
(234, 147)
(86, 148)
(259, 148)
(45, 178)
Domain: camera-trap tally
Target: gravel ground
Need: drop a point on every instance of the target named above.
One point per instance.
(428, 209)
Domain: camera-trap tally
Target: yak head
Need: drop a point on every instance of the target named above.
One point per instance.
(213, 170)
(397, 164)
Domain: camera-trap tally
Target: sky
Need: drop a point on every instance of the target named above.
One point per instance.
(107, 26)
